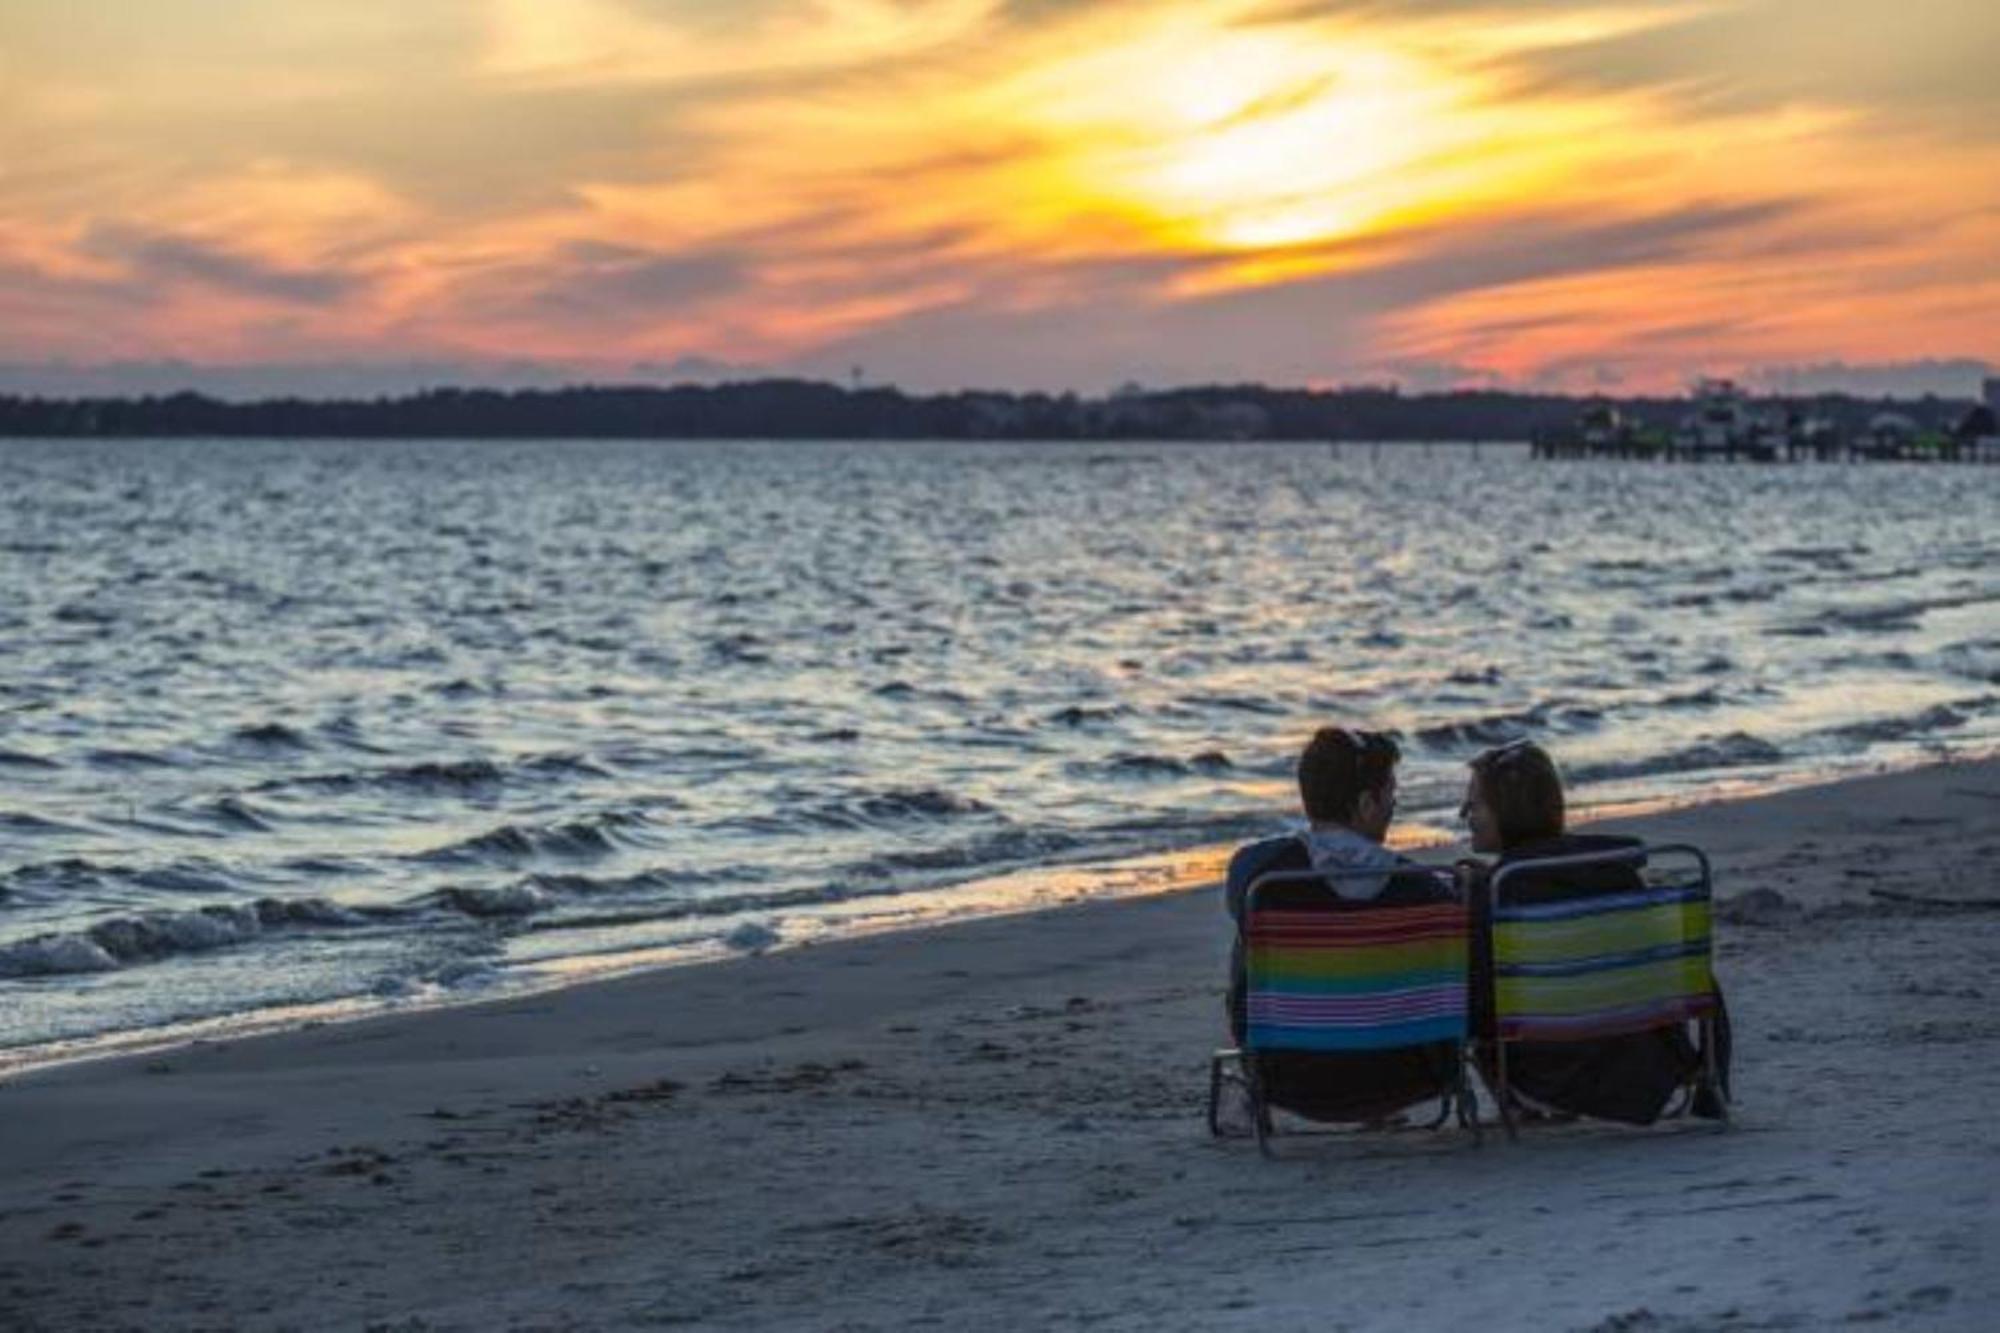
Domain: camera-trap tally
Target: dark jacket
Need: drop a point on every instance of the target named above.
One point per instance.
(1334, 1086)
(1628, 1078)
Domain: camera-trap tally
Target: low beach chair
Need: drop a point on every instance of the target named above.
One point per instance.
(1606, 964)
(1332, 985)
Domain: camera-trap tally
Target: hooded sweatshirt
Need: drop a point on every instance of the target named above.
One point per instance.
(1337, 1085)
(1357, 867)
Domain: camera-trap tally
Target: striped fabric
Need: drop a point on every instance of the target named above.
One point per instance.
(1599, 967)
(1355, 980)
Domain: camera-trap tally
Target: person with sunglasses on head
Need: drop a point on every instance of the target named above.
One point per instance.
(1347, 786)
(1514, 807)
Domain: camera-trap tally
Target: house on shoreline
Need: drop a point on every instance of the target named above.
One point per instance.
(1723, 423)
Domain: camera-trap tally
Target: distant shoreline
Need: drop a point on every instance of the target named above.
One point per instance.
(807, 410)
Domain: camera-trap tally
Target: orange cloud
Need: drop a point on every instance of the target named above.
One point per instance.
(1123, 188)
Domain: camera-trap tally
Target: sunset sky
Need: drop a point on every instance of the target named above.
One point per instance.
(1005, 193)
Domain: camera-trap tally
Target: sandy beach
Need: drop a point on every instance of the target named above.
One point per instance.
(998, 1125)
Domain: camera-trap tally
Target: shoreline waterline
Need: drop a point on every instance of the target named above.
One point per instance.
(1016, 893)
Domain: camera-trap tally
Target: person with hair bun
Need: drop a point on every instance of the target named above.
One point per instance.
(1514, 807)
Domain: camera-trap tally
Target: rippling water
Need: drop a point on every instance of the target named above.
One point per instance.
(290, 722)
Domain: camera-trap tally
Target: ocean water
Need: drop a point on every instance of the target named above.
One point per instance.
(292, 724)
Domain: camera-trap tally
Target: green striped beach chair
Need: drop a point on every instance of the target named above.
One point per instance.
(1606, 964)
(1341, 980)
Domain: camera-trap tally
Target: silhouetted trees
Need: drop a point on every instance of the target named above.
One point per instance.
(802, 409)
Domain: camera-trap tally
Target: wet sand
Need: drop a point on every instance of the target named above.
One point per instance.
(998, 1125)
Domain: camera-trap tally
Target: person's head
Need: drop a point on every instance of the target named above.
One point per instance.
(1515, 797)
(1349, 777)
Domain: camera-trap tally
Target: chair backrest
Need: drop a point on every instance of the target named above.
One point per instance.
(1602, 964)
(1322, 973)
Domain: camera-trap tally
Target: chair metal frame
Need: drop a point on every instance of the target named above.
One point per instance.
(1458, 1095)
(1706, 1074)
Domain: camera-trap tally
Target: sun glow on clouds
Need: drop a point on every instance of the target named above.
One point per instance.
(1242, 140)
(1540, 193)
(1249, 136)
(594, 41)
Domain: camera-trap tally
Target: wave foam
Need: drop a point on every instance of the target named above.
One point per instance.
(504, 901)
(54, 955)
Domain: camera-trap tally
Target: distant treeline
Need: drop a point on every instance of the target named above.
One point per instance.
(801, 409)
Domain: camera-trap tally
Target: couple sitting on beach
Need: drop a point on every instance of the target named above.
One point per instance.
(1514, 807)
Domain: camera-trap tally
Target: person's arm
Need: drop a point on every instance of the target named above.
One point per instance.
(1237, 883)
(1244, 869)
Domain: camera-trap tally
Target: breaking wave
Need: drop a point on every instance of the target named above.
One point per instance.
(1738, 749)
(153, 936)
(596, 836)
(1499, 728)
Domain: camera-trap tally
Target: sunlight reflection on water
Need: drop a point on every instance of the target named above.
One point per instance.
(283, 723)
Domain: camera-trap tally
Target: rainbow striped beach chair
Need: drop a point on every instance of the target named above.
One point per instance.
(1326, 977)
(1606, 964)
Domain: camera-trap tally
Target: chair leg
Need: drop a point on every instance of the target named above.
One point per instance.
(1501, 1094)
(1215, 1093)
(1468, 1106)
(1711, 1074)
(1260, 1113)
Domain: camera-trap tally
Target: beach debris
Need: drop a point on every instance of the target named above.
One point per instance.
(921, 1234)
(1629, 1321)
(811, 1074)
(361, 1162)
(602, 1110)
(1929, 900)
(1758, 907)
(659, 1090)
